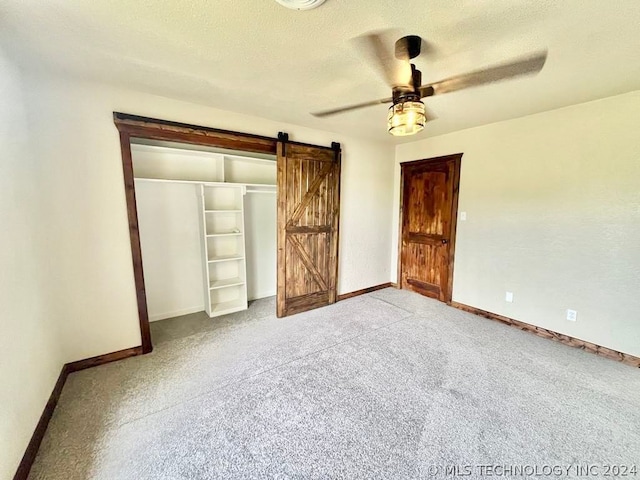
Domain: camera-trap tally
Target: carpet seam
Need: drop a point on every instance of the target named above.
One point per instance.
(392, 304)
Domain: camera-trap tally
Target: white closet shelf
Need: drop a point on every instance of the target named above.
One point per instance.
(225, 258)
(229, 307)
(228, 234)
(227, 282)
(222, 211)
(210, 184)
(270, 161)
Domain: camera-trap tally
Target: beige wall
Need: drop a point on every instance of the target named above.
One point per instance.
(553, 215)
(90, 272)
(31, 360)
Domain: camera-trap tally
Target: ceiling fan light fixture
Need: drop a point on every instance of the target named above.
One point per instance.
(406, 118)
(301, 4)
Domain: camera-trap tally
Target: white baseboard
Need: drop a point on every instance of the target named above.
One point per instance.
(258, 296)
(185, 311)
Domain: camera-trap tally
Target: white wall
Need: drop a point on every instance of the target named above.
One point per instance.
(150, 161)
(31, 360)
(246, 170)
(91, 273)
(553, 215)
(260, 219)
(170, 239)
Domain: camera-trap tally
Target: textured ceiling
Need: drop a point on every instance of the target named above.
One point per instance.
(257, 57)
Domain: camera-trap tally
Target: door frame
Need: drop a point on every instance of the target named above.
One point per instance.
(457, 161)
(135, 126)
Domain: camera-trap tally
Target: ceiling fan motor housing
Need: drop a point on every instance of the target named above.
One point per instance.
(408, 46)
(401, 94)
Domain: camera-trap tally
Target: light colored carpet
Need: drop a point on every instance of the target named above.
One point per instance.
(385, 385)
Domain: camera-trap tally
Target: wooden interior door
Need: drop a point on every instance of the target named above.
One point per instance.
(429, 213)
(308, 214)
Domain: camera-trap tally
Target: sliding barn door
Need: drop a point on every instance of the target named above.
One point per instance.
(308, 214)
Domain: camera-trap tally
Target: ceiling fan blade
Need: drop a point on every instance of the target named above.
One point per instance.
(528, 65)
(378, 50)
(335, 111)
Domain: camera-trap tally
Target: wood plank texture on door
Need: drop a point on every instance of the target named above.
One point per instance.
(429, 210)
(308, 214)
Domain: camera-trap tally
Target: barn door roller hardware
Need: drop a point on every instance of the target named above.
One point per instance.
(284, 138)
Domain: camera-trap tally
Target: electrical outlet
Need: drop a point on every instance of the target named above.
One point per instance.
(463, 216)
(509, 297)
(572, 315)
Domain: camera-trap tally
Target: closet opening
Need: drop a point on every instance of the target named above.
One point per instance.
(218, 219)
(207, 224)
(191, 194)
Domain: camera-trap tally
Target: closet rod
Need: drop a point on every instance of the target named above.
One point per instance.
(261, 191)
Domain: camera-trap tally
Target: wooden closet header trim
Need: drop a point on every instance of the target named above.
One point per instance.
(157, 129)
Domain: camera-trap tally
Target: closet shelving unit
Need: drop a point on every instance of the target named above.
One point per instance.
(221, 182)
(224, 248)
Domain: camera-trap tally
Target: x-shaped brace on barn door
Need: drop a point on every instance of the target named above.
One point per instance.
(297, 213)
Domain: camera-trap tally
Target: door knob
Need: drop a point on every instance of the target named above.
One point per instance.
(445, 241)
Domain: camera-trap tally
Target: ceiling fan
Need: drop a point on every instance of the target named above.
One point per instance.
(407, 114)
